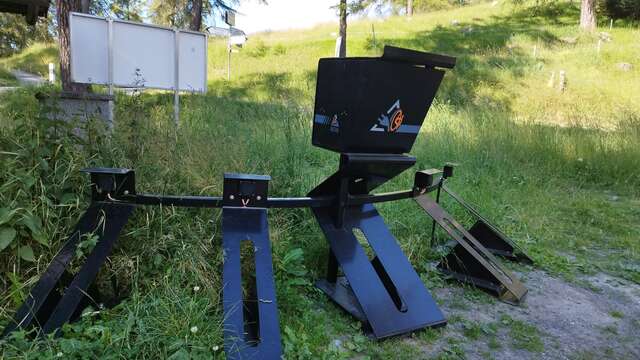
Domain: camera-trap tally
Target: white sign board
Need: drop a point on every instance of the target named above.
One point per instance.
(142, 55)
(237, 40)
(193, 55)
(90, 50)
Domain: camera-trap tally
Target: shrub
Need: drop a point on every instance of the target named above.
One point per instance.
(260, 50)
(621, 9)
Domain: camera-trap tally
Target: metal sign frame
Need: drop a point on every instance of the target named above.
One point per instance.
(111, 49)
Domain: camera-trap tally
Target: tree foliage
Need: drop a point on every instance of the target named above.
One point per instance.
(621, 9)
(16, 35)
(119, 9)
(178, 13)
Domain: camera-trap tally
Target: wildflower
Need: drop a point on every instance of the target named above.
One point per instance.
(196, 288)
(194, 329)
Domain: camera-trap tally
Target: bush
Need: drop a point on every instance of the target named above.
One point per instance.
(260, 50)
(621, 9)
(432, 5)
(279, 50)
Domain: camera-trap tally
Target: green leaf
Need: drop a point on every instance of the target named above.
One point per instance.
(7, 235)
(34, 224)
(293, 255)
(68, 198)
(6, 215)
(28, 181)
(26, 253)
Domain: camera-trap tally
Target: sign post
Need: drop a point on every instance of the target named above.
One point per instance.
(176, 91)
(229, 19)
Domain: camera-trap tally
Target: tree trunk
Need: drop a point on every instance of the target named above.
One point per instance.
(409, 7)
(63, 7)
(588, 15)
(343, 28)
(84, 6)
(196, 15)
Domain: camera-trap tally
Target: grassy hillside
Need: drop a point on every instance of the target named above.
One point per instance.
(556, 171)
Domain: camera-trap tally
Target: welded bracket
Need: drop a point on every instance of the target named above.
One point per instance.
(383, 292)
(53, 301)
(251, 329)
(469, 261)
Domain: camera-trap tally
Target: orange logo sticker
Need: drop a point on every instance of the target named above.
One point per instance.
(396, 120)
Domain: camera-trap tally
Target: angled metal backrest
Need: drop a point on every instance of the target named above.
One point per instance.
(470, 261)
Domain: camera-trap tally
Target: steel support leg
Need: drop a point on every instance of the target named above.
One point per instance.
(48, 309)
(251, 329)
(385, 293)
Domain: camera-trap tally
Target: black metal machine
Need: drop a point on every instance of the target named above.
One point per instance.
(370, 110)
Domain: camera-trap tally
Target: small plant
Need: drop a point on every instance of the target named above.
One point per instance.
(260, 49)
(279, 50)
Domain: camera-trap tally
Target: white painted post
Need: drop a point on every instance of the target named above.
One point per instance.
(563, 81)
(176, 92)
(52, 73)
(535, 51)
(599, 45)
(229, 55)
(611, 24)
(552, 79)
(110, 70)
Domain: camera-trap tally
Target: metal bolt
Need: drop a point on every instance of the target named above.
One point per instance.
(99, 190)
(126, 192)
(258, 197)
(231, 197)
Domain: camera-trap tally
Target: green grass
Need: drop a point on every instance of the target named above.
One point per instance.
(35, 59)
(6, 78)
(557, 172)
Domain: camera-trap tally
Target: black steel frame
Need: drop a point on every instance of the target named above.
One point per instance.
(371, 289)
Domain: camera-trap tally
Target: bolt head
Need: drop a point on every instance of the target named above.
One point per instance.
(258, 197)
(231, 197)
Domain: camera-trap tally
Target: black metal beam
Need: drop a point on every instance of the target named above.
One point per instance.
(272, 202)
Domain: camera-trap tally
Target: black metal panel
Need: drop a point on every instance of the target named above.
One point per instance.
(414, 57)
(364, 172)
(239, 224)
(386, 293)
(471, 262)
(44, 303)
(244, 190)
(371, 105)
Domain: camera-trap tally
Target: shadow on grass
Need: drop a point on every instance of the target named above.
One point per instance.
(484, 50)
(264, 86)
